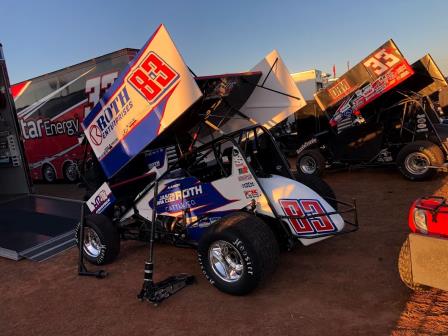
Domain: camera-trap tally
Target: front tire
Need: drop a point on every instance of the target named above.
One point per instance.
(238, 253)
(414, 160)
(310, 162)
(101, 240)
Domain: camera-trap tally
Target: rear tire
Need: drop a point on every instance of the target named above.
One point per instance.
(319, 186)
(413, 159)
(405, 267)
(70, 172)
(238, 253)
(48, 173)
(101, 240)
(310, 162)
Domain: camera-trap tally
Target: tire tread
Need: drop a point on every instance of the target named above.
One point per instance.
(254, 232)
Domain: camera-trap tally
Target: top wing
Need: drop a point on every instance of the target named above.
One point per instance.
(273, 98)
(148, 96)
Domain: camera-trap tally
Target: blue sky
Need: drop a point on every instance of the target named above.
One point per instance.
(220, 36)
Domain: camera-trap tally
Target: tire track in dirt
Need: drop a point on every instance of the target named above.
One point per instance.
(426, 313)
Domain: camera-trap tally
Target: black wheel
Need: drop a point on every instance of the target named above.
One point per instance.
(320, 186)
(310, 162)
(405, 268)
(414, 160)
(101, 240)
(70, 172)
(48, 173)
(238, 253)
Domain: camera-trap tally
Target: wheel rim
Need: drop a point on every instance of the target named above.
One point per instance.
(71, 172)
(92, 243)
(226, 261)
(49, 174)
(417, 163)
(308, 165)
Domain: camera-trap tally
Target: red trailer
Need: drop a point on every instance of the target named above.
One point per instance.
(51, 107)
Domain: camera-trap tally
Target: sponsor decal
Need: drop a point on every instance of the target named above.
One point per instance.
(239, 161)
(307, 207)
(348, 114)
(180, 194)
(35, 129)
(206, 222)
(248, 185)
(339, 89)
(252, 193)
(101, 200)
(243, 170)
(155, 158)
(95, 135)
(306, 145)
(189, 193)
(111, 115)
(245, 177)
(237, 158)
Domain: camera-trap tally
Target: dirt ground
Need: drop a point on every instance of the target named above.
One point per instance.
(347, 285)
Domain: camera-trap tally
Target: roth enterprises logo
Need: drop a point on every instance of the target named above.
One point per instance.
(110, 116)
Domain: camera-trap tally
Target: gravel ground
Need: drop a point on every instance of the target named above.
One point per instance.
(347, 285)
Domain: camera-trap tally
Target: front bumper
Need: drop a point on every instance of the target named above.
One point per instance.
(429, 260)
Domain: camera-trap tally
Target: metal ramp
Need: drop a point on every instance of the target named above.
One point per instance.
(37, 227)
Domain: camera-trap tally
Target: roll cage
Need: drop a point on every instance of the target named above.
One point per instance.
(262, 157)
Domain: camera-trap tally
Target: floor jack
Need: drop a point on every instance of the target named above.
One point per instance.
(157, 292)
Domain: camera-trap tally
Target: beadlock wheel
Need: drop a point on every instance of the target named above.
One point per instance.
(310, 162)
(418, 160)
(308, 165)
(237, 253)
(226, 261)
(92, 243)
(417, 163)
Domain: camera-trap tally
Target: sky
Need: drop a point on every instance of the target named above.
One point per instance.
(220, 36)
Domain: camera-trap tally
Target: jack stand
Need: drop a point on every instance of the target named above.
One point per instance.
(82, 269)
(157, 292)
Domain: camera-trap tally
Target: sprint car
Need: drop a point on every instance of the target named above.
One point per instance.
(423, 258)
(190, 161)
(376, 115)
(234, 199)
